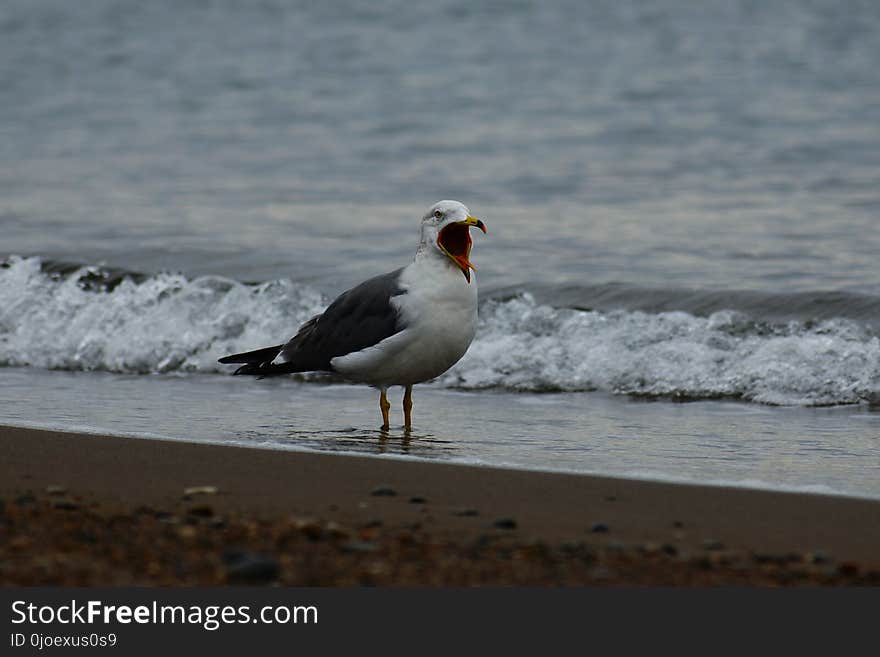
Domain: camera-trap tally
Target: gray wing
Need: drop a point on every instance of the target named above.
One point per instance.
(359, 318)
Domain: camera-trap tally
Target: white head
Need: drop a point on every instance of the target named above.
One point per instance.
(446, 230)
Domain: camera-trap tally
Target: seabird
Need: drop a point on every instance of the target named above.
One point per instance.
(400, 328)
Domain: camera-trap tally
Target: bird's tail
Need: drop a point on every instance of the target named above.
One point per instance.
(257, 362)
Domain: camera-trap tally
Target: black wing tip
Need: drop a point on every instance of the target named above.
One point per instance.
(258, 363)
(258, 356)
(263, 370)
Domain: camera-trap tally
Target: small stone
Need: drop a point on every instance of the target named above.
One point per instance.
(65, 505)
(359, 546)
(848, 569)
(383, 491)
(311, 528)
(335, 530)
(56, 490)
(599, 528)
(167, 518)
(186, 532)
(368, 534)
(505, 523)
(200, 490)
(25, 500)
(467, 513)
(202, 511)
(703, 563)
(250, 568)
(818, 556)
(418, 500)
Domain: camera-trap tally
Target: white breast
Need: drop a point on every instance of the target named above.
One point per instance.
(440, 314)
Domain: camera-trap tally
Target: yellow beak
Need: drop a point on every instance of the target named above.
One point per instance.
(473, 221)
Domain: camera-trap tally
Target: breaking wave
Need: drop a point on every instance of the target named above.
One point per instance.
(523, 345)
(89, 318)
(93, 319)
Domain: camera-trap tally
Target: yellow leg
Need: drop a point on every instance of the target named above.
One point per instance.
(407, 408)
(384, 406)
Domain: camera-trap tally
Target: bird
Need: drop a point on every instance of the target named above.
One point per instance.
(397, 329)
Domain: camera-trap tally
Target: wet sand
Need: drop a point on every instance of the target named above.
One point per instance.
(96, 510)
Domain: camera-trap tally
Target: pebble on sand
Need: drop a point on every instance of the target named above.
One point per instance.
(383, 491)
(818, 556)
(250, 568)
(669, 549)
(191, 491)
(359, 546)
(310, 527)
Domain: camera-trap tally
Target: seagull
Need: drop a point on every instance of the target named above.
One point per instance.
(398, 329)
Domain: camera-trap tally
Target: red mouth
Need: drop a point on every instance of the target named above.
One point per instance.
(455, 241)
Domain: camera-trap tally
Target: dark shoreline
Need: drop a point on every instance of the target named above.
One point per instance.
(94, 510)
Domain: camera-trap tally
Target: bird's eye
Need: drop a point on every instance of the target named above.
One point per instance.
(437, 214)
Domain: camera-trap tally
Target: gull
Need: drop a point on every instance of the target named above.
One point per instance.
(398, 329)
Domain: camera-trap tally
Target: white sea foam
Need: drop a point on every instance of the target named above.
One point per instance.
(522, 345)
(168, 323)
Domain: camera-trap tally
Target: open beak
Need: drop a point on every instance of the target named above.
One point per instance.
(455, 241)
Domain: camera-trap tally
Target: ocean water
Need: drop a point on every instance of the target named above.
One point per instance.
(679, 281)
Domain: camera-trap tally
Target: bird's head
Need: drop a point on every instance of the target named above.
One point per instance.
(446, 228)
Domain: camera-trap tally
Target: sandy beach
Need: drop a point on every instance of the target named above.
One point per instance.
(100, 510)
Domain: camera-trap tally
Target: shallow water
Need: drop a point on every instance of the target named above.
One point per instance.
(817, 450)
(682, 205)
